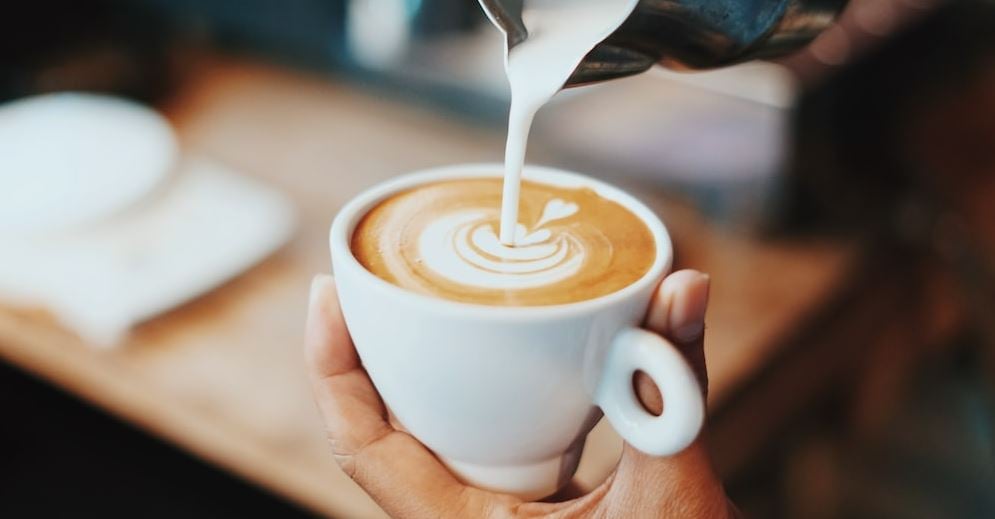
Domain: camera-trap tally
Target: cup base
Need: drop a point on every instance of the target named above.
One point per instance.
(530, 482)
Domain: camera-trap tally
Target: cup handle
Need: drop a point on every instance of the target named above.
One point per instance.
(635, 349)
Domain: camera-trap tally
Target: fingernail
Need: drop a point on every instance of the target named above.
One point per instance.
(318, 285)
(687, 311)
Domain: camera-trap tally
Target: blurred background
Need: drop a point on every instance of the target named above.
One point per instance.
(842, 198)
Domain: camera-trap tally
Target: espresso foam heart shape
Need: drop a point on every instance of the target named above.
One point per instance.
(557, 209)
(523, 238)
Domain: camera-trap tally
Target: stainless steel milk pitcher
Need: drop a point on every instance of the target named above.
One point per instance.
(688, 34)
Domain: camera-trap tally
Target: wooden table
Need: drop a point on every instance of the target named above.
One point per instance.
(223, 377)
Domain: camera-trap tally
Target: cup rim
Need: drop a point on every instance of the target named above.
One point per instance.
(345, 221)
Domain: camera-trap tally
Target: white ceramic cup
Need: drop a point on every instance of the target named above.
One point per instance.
(505, 396)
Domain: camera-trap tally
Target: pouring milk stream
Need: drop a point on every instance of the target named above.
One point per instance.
(561, 33)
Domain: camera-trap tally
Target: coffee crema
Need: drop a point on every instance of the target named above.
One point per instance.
(441, 239)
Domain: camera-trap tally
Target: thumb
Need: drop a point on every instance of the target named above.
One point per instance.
(677, 313)
(684, 484)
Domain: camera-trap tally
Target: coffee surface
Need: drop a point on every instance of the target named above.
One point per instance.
(441, 239)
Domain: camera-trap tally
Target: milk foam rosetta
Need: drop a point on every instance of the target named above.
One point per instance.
(442, 239)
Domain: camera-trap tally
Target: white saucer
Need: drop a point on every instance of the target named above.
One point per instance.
(206, 225)
(72, 159)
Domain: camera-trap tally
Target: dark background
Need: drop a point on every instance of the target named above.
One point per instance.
(888, 148)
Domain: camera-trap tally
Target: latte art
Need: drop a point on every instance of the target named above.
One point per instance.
(464, 248)
(443, 239)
